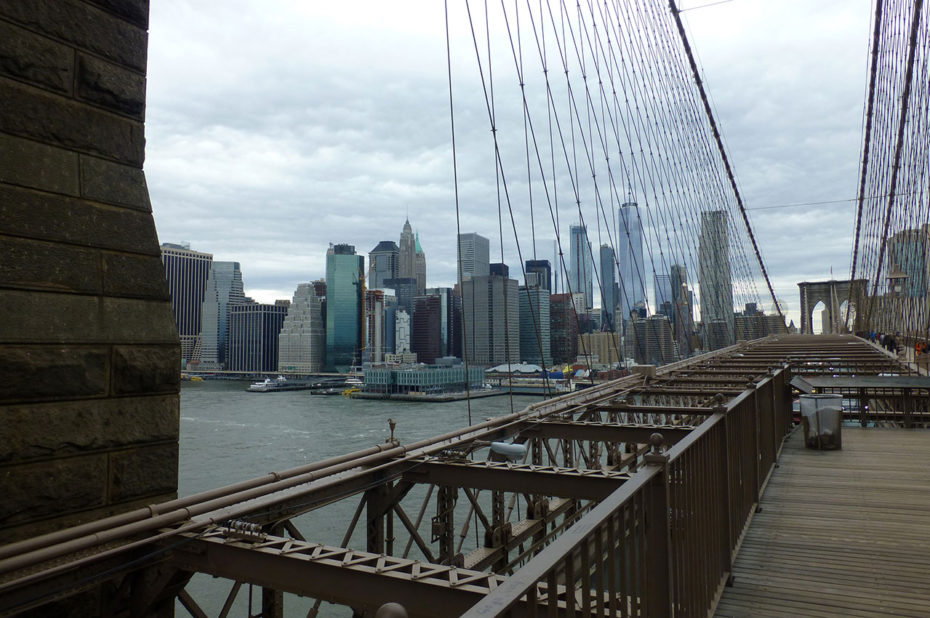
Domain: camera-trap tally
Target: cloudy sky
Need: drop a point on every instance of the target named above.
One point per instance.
(276, 128)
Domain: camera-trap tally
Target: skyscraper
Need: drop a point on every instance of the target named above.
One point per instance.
(499, 269)
(663, 295)
(426, 333)
(253, 335)
(375, 331)
(475, 255)
(563, 328)
(608, 287)
(542, 268)
(401, 331)
(683, 306)
(344, 284)
(451, 321)
(420, 266)
(491, 313)
(382, 262)
(649, 341)
(535, 339)
(302, 340)
(405, 290)
(630, 258)
(714, 280)
(224, 289)
(581, 266)
(411, 261)
(187, 272)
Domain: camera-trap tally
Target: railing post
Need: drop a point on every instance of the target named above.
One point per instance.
(659, 572)
(727, 556)
(775, 400)
(757, 454)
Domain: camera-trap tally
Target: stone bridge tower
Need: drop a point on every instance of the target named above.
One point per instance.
(832, 294)
(88, 345)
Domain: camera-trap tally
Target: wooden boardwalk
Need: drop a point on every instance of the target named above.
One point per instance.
(841, 533)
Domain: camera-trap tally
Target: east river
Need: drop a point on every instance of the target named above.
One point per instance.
(230, 435)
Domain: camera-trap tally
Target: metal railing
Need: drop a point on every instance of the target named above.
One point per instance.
(663, 543)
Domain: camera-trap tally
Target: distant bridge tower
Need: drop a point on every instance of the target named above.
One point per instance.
(832, 294)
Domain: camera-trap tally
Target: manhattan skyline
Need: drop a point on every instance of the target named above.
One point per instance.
(249, 163)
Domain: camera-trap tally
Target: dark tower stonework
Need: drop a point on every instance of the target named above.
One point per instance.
(88, 346)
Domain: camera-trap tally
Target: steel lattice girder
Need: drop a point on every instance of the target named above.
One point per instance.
(523, 478)
(605, 432)
(361, 580)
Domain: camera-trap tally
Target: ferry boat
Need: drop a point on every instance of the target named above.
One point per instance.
(278, 384)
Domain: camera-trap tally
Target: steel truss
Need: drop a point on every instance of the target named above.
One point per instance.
(564, 530)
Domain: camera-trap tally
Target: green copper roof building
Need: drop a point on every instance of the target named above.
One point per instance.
(344, 290)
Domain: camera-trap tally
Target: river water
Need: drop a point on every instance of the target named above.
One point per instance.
(229, 435)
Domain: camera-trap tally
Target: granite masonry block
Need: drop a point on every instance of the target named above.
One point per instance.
(52, 372)
(140, 321)
(133, 11)
(39, 166)
(143, 471)
(44, 317)
(83, 25)
(43, 431)
(146, 369)
(50, 217)
(111, 86)
(40, 265)
(29, 112)
(37, 490)
(123, 185)
(139, 276)
(35, 59)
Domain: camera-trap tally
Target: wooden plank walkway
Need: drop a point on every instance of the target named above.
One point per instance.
(841, 533)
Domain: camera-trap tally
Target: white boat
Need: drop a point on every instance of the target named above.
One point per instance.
(268, 385)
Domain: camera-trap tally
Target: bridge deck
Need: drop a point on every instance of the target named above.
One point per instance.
(841, 533)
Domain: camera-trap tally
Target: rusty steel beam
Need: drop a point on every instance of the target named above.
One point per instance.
(523, 478)
(639, 409)
(523, 531)
(696, 392)
(362, 580)
(605, 432)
